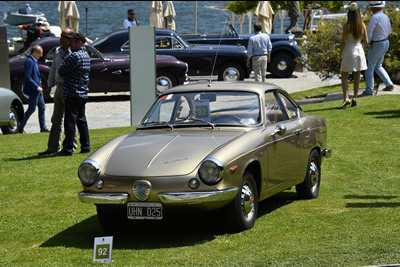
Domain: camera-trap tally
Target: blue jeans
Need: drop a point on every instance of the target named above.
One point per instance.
(35, 100)
(376, 54)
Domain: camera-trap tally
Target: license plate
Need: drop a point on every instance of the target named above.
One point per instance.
(143, 211)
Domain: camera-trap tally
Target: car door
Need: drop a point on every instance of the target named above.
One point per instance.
(283, 148)
(100, 77)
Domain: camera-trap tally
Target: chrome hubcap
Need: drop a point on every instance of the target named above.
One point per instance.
(163, 84)
(231, 74)
(282, 65)
(314, 175)
(247, 202)
(12, 123)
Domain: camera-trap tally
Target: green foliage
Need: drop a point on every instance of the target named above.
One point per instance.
(321, 50)
(240, 7)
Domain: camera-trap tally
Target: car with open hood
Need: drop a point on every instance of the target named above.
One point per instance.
(222, 145)
(284, 52)
(108, 73)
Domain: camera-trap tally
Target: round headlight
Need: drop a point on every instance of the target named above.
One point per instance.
(211, 171)
(88, 172)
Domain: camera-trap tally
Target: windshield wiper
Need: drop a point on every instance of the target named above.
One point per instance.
(158, 124)
(191, 117)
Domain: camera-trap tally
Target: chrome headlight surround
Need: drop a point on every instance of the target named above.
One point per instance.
(88, 172)
(211, 171)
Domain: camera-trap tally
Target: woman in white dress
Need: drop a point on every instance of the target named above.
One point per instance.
(354, 37)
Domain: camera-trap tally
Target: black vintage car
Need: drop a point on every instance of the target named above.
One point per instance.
(108, 73)
(229, 60)
(284, 47)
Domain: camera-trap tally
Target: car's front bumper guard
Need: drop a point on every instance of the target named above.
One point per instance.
(166, 198)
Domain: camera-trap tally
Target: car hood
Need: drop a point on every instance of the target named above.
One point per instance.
(149, 153)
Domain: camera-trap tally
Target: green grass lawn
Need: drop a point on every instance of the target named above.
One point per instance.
(354, 222)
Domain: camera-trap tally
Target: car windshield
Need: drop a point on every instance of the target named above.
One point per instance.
(206, 109)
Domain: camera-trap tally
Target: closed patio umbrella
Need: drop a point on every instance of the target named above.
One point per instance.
(169, 15)
(264, 13)
(69, 15)
(156, 14)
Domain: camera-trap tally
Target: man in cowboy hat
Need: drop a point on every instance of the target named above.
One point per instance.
(379, 29)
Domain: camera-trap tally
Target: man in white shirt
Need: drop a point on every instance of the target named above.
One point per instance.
(259, 51)
(379, 29)
(131, 20)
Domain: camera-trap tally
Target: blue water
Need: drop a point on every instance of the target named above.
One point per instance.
(106, 16)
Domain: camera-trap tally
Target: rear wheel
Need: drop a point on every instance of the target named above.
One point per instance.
(164, 81)
(243, 209)
(13, 123)
(282, 65)
(309, 189)
(231, 72)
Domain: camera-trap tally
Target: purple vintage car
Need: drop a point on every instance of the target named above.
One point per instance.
(108, 73)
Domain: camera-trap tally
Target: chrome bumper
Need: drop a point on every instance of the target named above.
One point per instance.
(165, 198)
(103, 198)
(198, 197)
(327, 152)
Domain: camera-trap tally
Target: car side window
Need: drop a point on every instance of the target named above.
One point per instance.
(290, 108)
(50, 55)
(176, 44)
(163, 43)
(273, 109)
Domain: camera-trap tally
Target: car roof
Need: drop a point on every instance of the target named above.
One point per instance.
(257, 87)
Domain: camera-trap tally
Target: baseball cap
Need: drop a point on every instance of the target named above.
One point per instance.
(45, 26)
(77, 36)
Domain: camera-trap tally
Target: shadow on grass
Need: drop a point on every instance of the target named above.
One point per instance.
(188, 230)
(374, 204)
(321, 109)
(387, 114)
(29, 158)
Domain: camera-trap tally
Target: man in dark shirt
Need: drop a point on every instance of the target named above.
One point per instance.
(75, 70)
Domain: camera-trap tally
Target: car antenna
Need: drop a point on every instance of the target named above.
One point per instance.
(216, 54)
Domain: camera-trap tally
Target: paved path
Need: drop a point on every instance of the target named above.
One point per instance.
(113, 110)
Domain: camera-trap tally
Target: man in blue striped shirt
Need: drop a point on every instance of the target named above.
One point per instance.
(75, 71)
(259, 51)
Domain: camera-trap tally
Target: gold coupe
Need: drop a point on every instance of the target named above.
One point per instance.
(207, 146)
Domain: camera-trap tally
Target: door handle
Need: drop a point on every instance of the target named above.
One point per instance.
(117, 72)
(298, 131)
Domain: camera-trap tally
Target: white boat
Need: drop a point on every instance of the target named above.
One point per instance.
(16, 18)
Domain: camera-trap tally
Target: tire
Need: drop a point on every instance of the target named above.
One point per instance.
(282, 65)
(164, 81)
(244, 208)
(231, 72)
(309, 188)
(13, 124)
(112, 218)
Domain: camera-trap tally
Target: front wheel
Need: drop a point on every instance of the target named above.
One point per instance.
(231, 72)
(282, 65)
(243, 209)
(309, 188)
(13, 123)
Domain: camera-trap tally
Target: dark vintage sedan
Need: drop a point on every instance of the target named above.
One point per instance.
(227, 61)
(11, 111)
(284, 47)
(108, 73)
(219, 146)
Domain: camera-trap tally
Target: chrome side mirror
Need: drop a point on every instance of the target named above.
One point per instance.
(280, 130)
